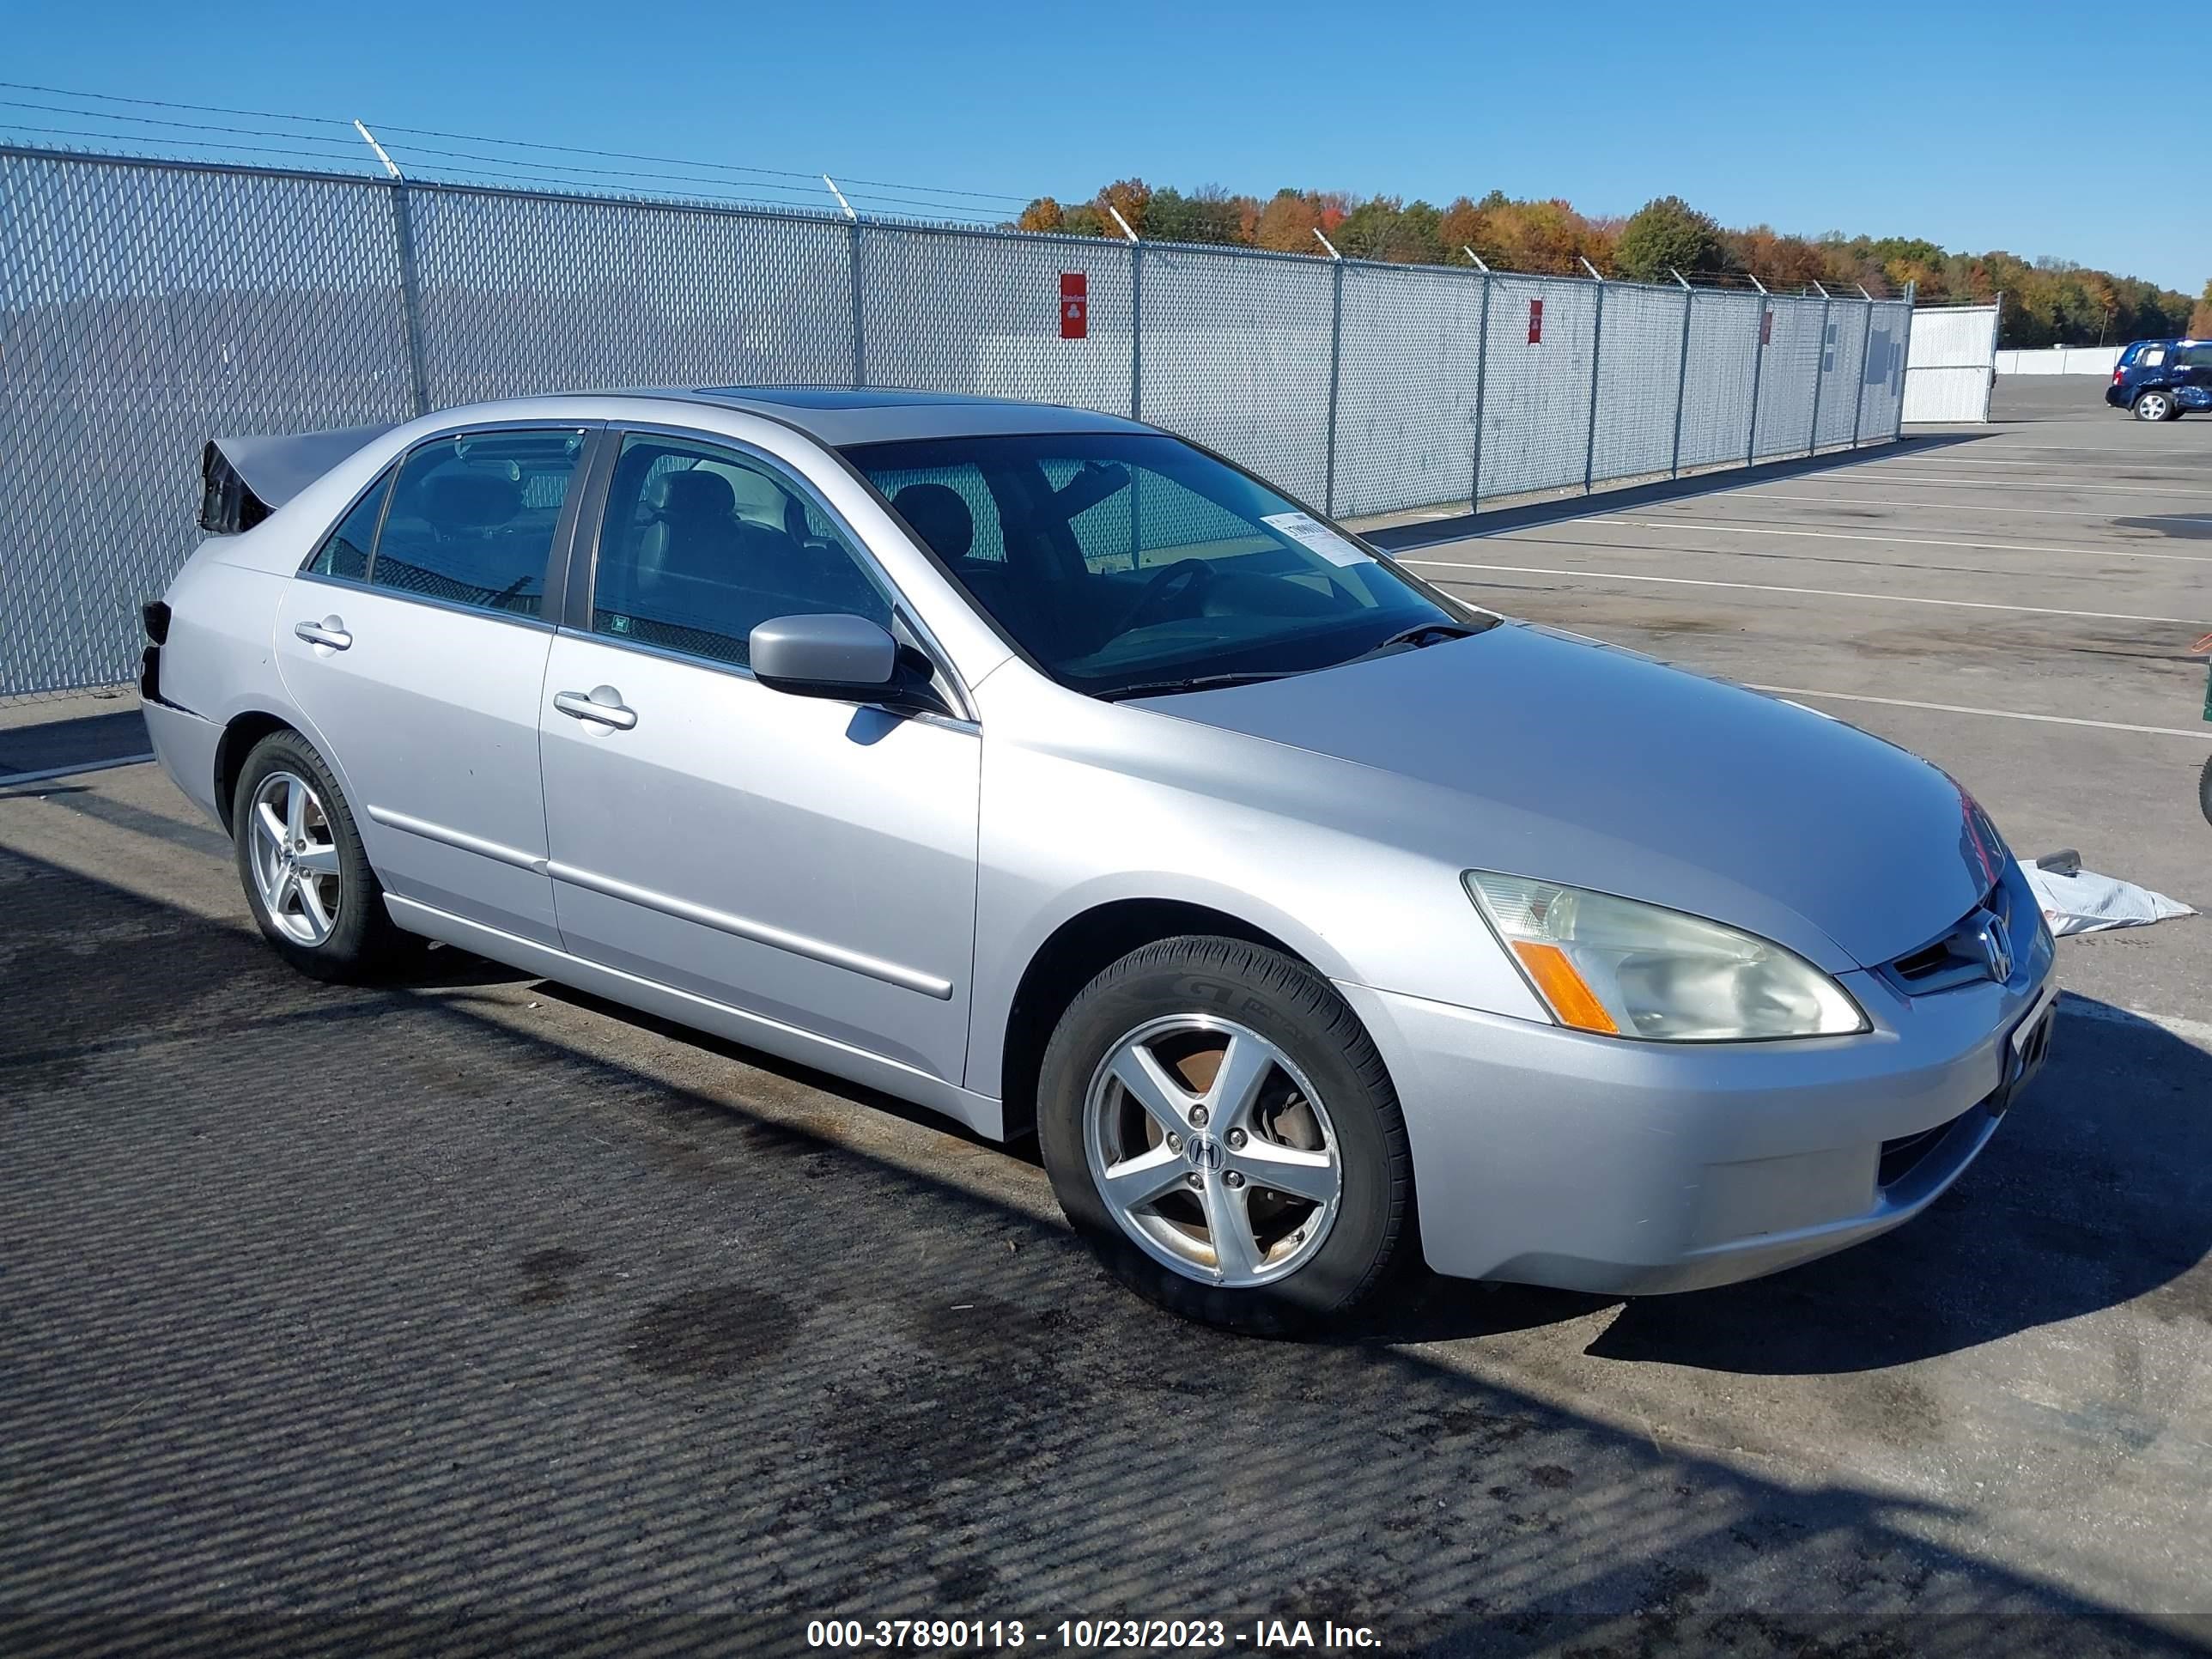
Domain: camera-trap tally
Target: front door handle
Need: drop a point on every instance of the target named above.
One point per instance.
(602, 703)
(330, 631)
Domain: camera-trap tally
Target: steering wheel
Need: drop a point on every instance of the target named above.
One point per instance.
(1196, 574)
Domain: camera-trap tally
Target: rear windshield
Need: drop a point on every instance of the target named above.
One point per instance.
(1121, 561)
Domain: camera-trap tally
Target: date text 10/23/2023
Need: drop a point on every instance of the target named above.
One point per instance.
(1259, 1636)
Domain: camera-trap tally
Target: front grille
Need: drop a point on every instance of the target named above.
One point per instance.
(1960, 957)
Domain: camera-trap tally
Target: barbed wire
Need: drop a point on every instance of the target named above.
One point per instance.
(331, 141)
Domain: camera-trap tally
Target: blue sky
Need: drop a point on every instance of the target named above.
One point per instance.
(1976, 125)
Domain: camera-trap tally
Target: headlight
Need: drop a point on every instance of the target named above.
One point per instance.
(1614, 966)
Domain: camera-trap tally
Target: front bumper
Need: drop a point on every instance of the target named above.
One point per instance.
(1547, 1156)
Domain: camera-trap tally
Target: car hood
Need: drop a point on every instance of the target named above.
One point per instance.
(1570, 761)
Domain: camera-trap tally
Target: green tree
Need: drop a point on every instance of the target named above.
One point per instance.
(1669, 233)
(1208, 214)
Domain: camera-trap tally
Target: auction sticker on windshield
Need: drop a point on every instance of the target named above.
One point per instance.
(1304, 528)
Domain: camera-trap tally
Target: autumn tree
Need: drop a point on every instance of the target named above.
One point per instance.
(2046, 300)
(1287, 223)
(1668, 234)
(1130, 198)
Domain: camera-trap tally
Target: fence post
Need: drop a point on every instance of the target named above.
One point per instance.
(1335, 358)
(859, 330)
(1136, 330)
(1681, 379)
(1481, 385)
(1598, 349)
(1757, 370)
(1866, 344)
(1812, 437)
(410, 293)
(1904, 360)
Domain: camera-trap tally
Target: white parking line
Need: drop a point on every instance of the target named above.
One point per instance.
(2201, 736)
(9, 779)
(1812, 593)
(2188, 1030)
(2100, 449)
(1935, 481)
(1898, 541)
(1975, 460)
(1745, 493)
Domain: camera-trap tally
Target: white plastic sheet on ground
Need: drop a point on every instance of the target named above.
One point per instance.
(2086, 902)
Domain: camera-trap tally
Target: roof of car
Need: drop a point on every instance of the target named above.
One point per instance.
(839, 416)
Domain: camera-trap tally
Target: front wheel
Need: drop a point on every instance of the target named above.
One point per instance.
(2154, 406)
(1221, 1131)
(2204, 790)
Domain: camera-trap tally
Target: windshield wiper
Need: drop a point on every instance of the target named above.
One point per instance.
(1195, 683)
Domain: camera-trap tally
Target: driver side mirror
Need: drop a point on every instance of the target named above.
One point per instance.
(847, 658)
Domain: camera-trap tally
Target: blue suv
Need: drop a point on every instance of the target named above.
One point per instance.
(2157, 379)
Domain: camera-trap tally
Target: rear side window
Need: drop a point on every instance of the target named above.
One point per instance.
(472, 517)
(2196, 357)
(2152, 357)
(345, 553)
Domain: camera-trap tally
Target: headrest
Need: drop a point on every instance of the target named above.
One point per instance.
(938, 516)
(692, 495)
(470, 498)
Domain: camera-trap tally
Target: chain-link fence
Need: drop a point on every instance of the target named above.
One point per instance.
(148, 305)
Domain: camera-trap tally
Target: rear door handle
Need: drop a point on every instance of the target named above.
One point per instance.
(330, 631)
(602, 703)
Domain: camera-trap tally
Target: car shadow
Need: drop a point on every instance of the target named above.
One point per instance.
(2181, 525)
(2097, 1191)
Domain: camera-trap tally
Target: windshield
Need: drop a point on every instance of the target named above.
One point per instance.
(1125, 562)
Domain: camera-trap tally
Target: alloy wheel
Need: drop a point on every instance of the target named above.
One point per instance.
(295, 857)
(1211, 1151)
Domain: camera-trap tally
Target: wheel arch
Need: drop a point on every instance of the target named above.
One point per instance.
(240, 734)
(1076, 952)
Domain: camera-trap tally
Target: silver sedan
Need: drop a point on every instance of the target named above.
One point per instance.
(1044, 769)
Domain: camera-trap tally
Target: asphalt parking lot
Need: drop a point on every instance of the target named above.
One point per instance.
(471, 1316)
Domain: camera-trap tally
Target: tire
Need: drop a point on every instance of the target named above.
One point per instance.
(2205, 789)
(2154, 406)
(358, 941)
(1321, 1111)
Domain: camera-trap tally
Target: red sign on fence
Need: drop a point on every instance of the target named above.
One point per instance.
(1536, 322)
(1074, 305)
(1765, 327)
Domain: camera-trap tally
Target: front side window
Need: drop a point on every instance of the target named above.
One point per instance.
(701, 543)
(473, 518)
(1121, 562)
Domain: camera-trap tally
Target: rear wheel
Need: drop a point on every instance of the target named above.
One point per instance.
(1220, 1129)
(2155, 405)
(299, 859)
(2205, 789)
